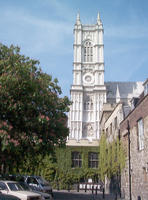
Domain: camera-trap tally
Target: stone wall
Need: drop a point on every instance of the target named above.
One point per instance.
(139, 158)
(111, 125)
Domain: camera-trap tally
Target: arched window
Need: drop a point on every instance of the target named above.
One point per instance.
(88, 51)
(88, 103)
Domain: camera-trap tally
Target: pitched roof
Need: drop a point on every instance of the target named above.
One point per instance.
(126, 89)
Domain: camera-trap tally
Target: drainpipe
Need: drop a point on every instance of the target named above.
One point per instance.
(129, 158)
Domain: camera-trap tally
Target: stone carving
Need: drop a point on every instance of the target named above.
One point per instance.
(87, 36)
(87, 69)
(88, 102)
(88, 130)
(88, 78)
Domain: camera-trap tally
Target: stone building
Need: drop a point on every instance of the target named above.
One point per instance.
(134, 134)
(105, 114)
(112, 124)
(119, 96)
(90, 94)
(89, 91)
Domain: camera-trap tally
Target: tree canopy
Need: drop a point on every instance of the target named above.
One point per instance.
(32, 113)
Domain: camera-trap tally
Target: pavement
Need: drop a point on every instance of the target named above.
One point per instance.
(73, 194)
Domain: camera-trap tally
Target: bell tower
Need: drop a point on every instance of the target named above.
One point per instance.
(88, 92)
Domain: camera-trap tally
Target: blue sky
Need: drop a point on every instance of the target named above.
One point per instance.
(43, 29)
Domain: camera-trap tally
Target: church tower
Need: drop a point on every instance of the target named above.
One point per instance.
(88, 92)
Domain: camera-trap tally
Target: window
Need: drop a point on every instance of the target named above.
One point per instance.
(111, 129)
(3, 186)
(88, 105)
(88, 52)
(76, 159)
(93, 160)
(15, 186)
(32, 180)
(140, 134)
(115, 123)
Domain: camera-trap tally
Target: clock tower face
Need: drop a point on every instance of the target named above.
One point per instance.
(88, 78)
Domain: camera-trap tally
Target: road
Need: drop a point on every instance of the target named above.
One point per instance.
(64, 195)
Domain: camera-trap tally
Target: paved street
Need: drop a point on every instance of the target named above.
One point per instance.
(73, 195)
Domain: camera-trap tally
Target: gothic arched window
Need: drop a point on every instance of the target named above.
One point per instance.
(88, 51)
(88, 103)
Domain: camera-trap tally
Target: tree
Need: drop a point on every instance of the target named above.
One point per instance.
(32, 113)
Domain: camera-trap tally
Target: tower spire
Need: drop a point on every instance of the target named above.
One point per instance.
(78, 18)
(98, 19)
(117, 94)
(98, 16)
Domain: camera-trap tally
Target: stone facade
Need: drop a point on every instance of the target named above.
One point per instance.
(138, 129)
(112, 124)
(99, 106)
(104, 115)
(88, 92)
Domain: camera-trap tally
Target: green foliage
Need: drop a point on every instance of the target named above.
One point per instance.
(103, 158)
(65, 174)
(38, 165)
(121, 156)
(117, 153)
(57, 167)
(47, 168)
(33, 117)
(112, 158)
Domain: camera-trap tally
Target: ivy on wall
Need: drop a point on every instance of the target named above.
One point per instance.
(65, 174)
(57, 167)
(112, 158)
(103, 158)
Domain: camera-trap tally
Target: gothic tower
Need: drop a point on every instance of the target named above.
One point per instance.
(88, 92)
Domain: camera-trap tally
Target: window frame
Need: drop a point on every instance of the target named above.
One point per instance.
(93, 161)
(3, 186)
(88, 51)
(140, 131)
(76, 159)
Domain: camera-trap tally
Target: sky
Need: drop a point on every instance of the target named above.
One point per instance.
(43, 29)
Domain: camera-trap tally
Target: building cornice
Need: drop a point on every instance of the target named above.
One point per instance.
(74, 45)
(95, 45)
(98, 45)
(77, 70)
(88, 63)
(82, 142)
(94, 70)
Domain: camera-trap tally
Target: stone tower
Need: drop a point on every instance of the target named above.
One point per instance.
(88, 92)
